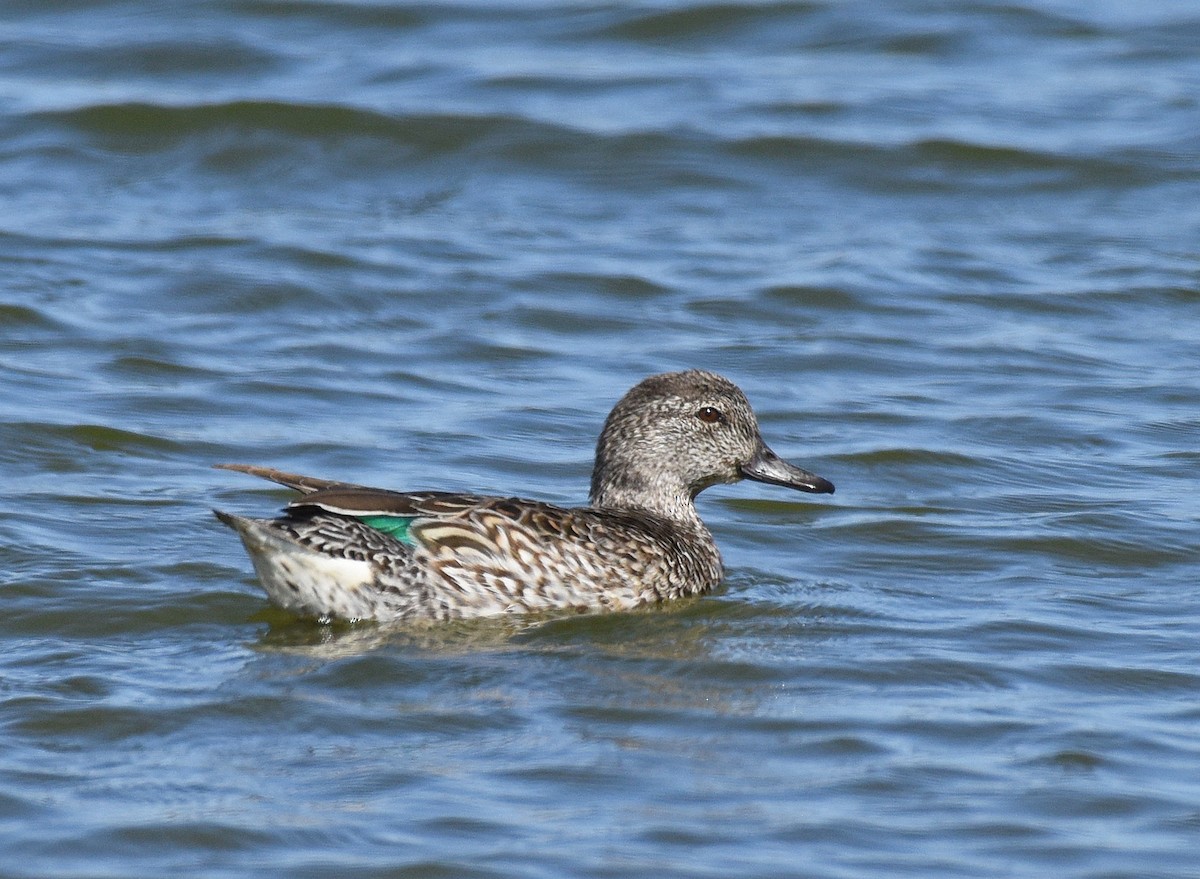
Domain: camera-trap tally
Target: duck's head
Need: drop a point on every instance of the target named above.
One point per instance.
(673, 435)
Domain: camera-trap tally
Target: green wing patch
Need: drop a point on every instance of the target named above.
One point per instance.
(394, 526)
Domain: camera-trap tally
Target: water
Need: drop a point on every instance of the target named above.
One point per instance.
(948, 249)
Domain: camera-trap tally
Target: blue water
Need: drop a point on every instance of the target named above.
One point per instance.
(948, 249)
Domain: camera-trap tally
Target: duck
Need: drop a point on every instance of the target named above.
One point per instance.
(342, 551)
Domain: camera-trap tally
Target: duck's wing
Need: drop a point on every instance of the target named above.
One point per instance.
(443, 522)
(306, 484)
(352, 499)
(392, 512)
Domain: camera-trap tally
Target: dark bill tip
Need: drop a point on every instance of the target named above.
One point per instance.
(768, 467)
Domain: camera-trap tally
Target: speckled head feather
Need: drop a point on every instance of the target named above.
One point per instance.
(669, 438)
(347, 551)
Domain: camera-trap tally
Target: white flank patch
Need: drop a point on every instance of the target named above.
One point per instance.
(301, 579)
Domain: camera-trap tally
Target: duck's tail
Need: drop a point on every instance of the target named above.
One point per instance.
(301, 579)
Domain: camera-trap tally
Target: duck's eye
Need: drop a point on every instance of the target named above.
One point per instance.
(709, 415)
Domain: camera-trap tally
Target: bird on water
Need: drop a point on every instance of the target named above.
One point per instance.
(349, 552)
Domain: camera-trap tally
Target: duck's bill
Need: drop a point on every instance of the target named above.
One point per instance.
(768, 467)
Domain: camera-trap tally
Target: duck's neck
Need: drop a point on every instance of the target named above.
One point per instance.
(645, 493)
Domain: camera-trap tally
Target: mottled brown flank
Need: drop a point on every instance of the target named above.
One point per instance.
(641, 540)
